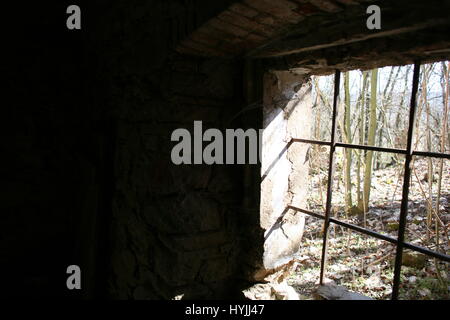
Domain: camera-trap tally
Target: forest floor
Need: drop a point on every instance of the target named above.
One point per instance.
(365, 264)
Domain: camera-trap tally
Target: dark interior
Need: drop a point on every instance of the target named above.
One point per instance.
(87, 177)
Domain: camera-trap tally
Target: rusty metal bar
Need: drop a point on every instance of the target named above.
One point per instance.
(325, 143)
(377, 149)
(435, 254)
(308, 212)
(323, 262)
(371, 148)
(428, 252)
(431, 154)
(406, 181)
(364, 231)
(348, 225)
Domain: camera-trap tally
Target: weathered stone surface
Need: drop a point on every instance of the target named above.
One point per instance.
(190, 214)
(414, 259)
(334, 292)
(200, 241)
(271, 291)
(283, 240)
(286, 116)
(175, 226)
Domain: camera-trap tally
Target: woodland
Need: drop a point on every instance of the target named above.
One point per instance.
(373, 110)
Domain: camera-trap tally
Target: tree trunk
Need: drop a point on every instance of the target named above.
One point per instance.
(370, 138)
(428, 143)
(348, 139)
(362, 106)
(445, 94)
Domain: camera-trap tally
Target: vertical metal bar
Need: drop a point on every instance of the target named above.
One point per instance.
(323, 262)
(406, 179)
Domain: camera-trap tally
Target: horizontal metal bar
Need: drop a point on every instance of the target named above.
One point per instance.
(428, 252)
(431, 154)
(363, 230)
(348, 225)
(325, 143)
(373, 148)
(370, 148)
(317, 215)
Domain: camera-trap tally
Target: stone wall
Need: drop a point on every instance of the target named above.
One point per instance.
(287, 114)
(175, 230)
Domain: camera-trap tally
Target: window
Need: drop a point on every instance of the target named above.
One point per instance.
(432, 153)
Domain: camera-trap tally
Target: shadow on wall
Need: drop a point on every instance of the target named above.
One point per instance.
(287, 110)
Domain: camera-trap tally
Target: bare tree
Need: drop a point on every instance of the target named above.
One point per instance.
(362, 133)
(370, 138)
(348, 139)
(445, 94)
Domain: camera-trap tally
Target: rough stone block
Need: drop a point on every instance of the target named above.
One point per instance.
(335, 292)
(215, 270)
(176, 268)
(271, 291)
(200, 241)
(190, 177)
(184, 214)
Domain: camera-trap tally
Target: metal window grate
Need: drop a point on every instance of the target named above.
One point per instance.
(408, 152)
